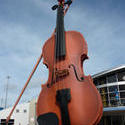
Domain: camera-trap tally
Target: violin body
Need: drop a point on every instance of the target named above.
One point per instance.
(85, 105)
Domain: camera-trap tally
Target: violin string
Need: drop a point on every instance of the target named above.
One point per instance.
(58, 64)
(62, 61)
(58, 58)
(67, 57)
(54, 57)
(63, 84)
(56, 85)
(56, 61)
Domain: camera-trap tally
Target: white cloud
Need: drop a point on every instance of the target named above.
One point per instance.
(21, 43)
(101, 33)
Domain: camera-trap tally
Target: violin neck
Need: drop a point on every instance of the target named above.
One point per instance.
(60, 50)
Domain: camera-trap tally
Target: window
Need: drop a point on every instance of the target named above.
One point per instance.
(114, 95)
(113, 88)
(122, 94)
(102, 81)
(122, 87)
(105, 103)
(96, 82)
(114, 102)
(3, 122)
(104, 97)
(103, 90)
(123, 101)
(121, 76)
(112, 78)
(17, 110)
(25, 110)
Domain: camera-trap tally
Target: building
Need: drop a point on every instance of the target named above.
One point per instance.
(111, 85)
(24, 114)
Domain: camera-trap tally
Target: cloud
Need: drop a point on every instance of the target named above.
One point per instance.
(19, 52)
(26, 25)
(103, 30)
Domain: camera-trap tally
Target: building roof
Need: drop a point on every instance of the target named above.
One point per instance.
(109, 71)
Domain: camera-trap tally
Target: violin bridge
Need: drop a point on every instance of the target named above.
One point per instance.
(61, 73)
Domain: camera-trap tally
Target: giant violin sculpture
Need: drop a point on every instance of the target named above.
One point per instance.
(69, 97)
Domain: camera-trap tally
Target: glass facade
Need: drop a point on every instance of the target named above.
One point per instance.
(112, 89)
(111, 86)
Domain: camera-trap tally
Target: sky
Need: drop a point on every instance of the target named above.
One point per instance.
(25, 26)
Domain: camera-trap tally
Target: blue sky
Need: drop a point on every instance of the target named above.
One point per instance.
(25, 26)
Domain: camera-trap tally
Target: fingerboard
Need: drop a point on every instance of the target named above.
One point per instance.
(60, 50)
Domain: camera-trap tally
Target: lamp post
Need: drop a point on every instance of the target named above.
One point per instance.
(8, 77)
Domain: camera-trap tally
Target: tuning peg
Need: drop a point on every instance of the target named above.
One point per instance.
(60, 1)
(54, 7)
(68, 2)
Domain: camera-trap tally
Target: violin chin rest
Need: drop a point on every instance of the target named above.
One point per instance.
(48, 119)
